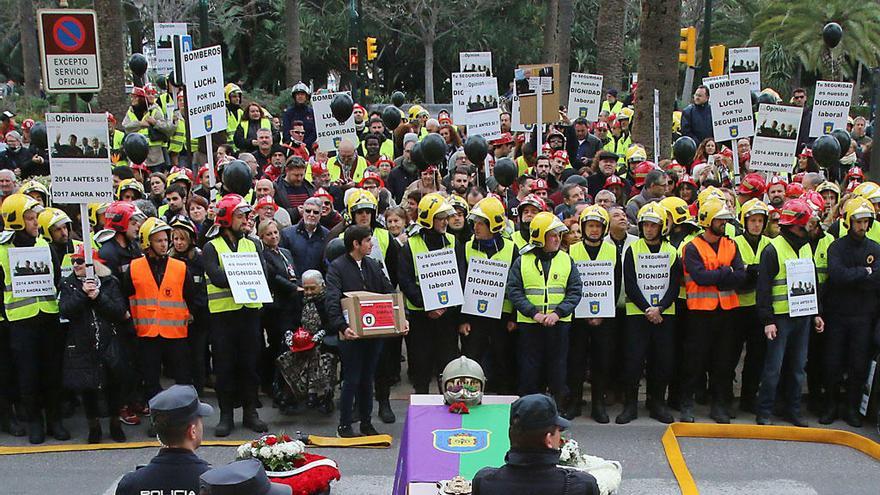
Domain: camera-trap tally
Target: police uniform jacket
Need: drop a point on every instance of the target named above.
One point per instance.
(533, 472)
(172, 471)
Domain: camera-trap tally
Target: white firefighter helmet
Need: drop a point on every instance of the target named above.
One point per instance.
(463, 381)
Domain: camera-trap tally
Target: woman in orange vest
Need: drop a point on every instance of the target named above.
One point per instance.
(160, 291)
(713, 269)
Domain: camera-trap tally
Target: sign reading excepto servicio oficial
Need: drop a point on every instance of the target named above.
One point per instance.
(205, 99)
(69, 47)
(79, 154)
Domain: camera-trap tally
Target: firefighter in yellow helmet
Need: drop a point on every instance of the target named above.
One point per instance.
(37, 191)
(234, 112)
(544, 286)
(433, 339)
(650, 314)
(458, 225)
(595, 327)
(713, 270)
(483, 334)
(34, 333)
(853, 273)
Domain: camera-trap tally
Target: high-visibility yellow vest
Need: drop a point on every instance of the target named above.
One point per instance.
(522, 165)
(220, 299)
(504, 254)
(749, 257)
(232, 121)
(66, 262)
(820, 257)
(178, 140)
(641, 247)
(518, 240)
(682, 293)
(544, 293)
(606, 107)
(417, 246)
(117, 149)
(166, 103)
(779, 285)
(381, 236)
(245, 124)
(157, 114)
(22, 308)
(336, 170)
(607, 252)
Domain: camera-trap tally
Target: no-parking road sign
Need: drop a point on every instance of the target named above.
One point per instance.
(69, 46)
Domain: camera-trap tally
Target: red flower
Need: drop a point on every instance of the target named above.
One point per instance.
(459, 408)
(271, 440)
(286, 438)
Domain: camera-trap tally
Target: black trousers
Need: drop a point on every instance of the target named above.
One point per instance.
(710, 343)
(37, 349)
(491, 345)
(388, 369)
(8, 384)
(542, 354)
(236, 338)
(681, 314)
(847, 352)
(152, 352)
(597, 343)
(750, 332)
(654, 343)
(197, 341)
(275, 322)
(359, 360)
(432, 344)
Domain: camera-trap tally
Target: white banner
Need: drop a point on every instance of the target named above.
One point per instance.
(731, 101)
(480, 62)
(79, 145)
(800, 279)
(484, 287)
(438, 279)
(652, 276)
(205, 99)
(330, 131)
(776, 138)
(584, 96)
(481, 115)
(460, 95)
(830, 107)
(163, 33)
(597, 300)
(32, 273)
(246, 277)
(746, 62)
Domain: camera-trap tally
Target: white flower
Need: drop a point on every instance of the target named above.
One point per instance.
(265, 453)
(244, 451)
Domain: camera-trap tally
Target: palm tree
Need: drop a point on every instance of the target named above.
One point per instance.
(112, 95)
(609, 42)
(798, 26)
(293, 62)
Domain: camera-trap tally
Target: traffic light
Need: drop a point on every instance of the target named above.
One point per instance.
(687, 46)
(372, 53)
(353, 59)
(716, 62)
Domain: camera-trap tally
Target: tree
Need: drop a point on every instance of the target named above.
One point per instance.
(609, 42)
(293, 61)
(551, 25)
(427, 21)
(112, 95)
(563, 39)
(29, 51)
(658, 69)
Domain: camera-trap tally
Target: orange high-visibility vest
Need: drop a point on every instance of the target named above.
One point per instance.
(159, 311)
(707, 297)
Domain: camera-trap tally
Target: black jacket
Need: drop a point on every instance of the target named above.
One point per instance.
(533, 473)
(631, 286)
(850, 290)
(282, 279)
(116, 257)
(171, 470)
(406, 270)
(696, 122)
(343, 276)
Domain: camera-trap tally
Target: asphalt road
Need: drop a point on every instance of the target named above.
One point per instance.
(719, 466)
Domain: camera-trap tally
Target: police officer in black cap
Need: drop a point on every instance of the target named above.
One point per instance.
(530, 465)
(241, 478)
(177, 417)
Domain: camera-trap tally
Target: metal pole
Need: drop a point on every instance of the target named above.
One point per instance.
(203, 22)
(875, 150)
(353, 40)
(87, 239)
(707, 41)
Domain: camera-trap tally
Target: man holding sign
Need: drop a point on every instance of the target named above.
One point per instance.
(235, 326)
(488, 324)
(594, 326)
(430, 269)
(787, 305)
(544, 287)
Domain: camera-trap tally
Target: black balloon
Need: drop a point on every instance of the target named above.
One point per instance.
(391, 117)
(505, 171)
(434, 148)
(826, 151)
(335, 248)
(138, 64)
(397, 98)
(136, 147)
(39, 137)
(86, 97)
(766, 98)
(684, 149)
(418, 158)
(341, 107)
(476, 148)
(237, 177)
(843, 139)
(832, 34)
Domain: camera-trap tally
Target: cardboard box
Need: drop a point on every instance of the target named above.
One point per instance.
(373, 315)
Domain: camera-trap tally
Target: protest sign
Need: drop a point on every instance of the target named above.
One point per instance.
(246, 277)
(584, 96)
(460, 94)
(438, 279)
(800, 279)
(79, 149)
(163, 33)
(830, 107)
(484, 287)
(746, 62)
(597, 300)
(776, 138)
(526, 80)
(481, 114)
(652, 276)
(731, 102)
(205, 98)
(479, 62)
(32, 273)
(515, 124)
(330, 131)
